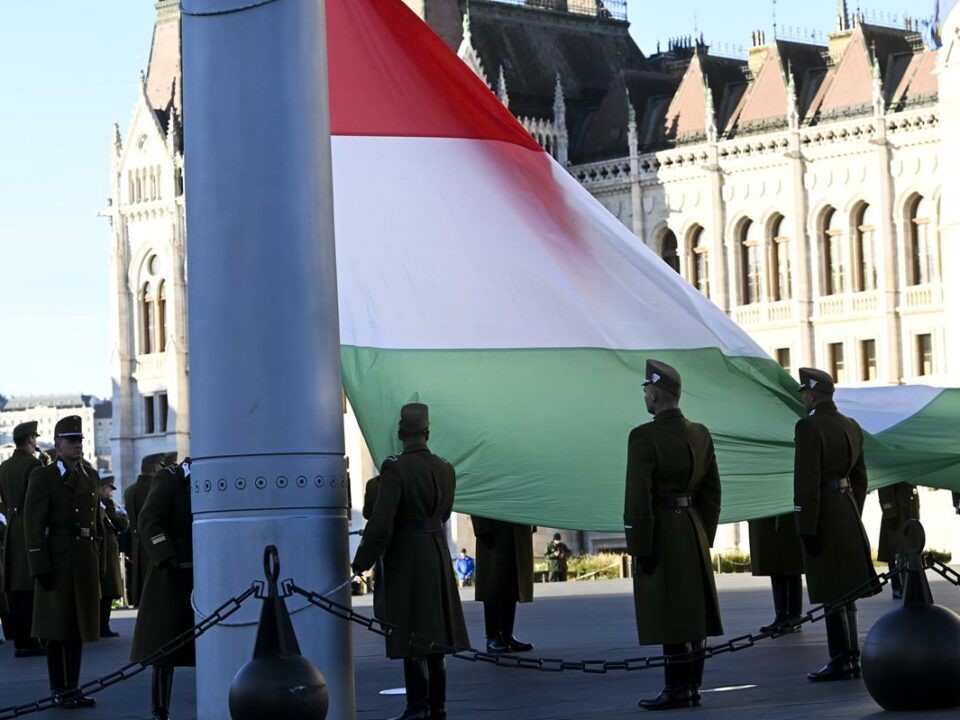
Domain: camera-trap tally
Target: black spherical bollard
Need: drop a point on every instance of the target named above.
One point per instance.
(278, 682)
(911, 657)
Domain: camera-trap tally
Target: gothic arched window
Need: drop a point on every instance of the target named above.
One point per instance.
(162, 317)
(146, 315)
(700, 262)
(864, 248)
(833, 252)
(749, 245)
(668, 250)
(921, 241)
(779, 248)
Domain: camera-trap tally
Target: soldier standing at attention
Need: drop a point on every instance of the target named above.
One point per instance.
(899, 503)
(670, 515)
(415, 498)
(63, 526)
(504, 577)
(166, 525)
(17, 581)
(115, 521)
(829, 487)
(133, 499)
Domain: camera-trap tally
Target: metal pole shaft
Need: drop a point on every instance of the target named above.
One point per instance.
(265, 398)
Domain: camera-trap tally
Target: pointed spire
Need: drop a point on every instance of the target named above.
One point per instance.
(843, 16)
(143, 82)
(559, 105)
(466, 23)
(117, 140)
(467, 52)
(879, 106)
(502, 89)
(631, 112)
(793, 114)
(710, 121)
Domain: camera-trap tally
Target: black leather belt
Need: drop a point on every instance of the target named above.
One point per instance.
(838, 485)
(70, 532)
(675, 502)
(419, 525)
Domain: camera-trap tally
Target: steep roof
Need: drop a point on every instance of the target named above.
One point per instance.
(25, 402)
(686, 117)
(534, 44)
(164, 79)
(765, 102)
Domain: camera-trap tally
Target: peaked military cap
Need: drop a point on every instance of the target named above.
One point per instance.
(170, 458)
(414, 417)
(24, 430)
(108, 480)
(813, 379)
(663, 376)
(151, 459)
(69, 427)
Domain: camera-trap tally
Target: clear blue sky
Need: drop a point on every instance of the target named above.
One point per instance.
(69, 70)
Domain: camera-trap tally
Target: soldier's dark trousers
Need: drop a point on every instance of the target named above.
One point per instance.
(498, 619)
(106, 605)
(896, 582)
(842, 641)
(557, 576)
(161, 690)
(426, 682)
(787, 596)
(21, 617)
(63, 665)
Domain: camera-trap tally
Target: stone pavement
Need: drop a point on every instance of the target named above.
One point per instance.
(574, 621)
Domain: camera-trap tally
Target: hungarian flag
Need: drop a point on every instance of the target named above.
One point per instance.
(477, 276)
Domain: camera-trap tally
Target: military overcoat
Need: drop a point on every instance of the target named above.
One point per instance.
(829, 450)
(63, 526)
(419, 589)
(667, 458)
(133, 499)
(14, 473)
(775, 546)
(504, 560)
(166, 528)
(114, 523)
(370, 492)
(899, 503)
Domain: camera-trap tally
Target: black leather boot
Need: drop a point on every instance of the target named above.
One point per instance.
(161, 691)
(840, 666)
(696, 672)
(418, 690)
(437, 671)
(794, 601)
(896, 583)
(779, 603)
(677, 677)
(853, 640)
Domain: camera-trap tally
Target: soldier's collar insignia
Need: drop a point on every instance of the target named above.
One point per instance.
(62, 468)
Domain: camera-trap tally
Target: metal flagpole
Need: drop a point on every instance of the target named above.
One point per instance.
(266, 413)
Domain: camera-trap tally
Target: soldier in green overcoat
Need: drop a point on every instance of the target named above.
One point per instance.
(419, 591)
(133, 499)
(115, 521)
(899, 503)
(670, 515)
(504, 577)
(17, 580)
(63, 526)
(775, 552)
(166, 526)
(829, 488)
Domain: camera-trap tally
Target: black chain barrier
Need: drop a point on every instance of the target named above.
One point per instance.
(554, 665)
(135, 668)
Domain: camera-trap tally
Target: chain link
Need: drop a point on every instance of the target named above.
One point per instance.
(942, 569)
(136, 667)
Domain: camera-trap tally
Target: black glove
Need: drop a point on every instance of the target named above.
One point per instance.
(45, 580)
(170, 563)
(647, 563)
(811, 544)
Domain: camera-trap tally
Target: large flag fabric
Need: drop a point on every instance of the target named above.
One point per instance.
(476, 275)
